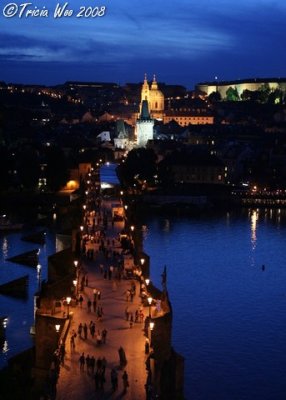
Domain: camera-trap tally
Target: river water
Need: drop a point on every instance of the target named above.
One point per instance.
(20, 312)
(229, 313)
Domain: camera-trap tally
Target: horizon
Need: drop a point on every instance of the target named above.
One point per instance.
(218, 82)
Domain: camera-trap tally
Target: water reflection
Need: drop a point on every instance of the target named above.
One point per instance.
(5, 247)
(5, 347)
(166, 227)
(254, 219)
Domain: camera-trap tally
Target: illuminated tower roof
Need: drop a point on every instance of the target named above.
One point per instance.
(145, 115)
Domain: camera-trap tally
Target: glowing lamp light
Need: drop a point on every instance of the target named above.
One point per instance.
(147, 281)
(57, 326)
(132, 228)
(151, 325)
(75, 282)
(142, 261)
(149, 299)
(68, 300)
(81, 228)
(75, 263)
(84, 207)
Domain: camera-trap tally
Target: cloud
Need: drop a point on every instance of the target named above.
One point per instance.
(201, 36)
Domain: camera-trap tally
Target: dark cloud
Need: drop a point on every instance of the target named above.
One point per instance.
(183, 41)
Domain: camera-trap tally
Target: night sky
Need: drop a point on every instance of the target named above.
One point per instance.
(182, 41)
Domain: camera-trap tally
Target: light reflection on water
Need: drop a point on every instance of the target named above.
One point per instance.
(229, 313)
(20, 311)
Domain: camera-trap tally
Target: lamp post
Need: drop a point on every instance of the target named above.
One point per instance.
(68, 300)
(149, 299)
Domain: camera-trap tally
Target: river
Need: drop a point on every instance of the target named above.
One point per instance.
(229, 312)
(20, 312)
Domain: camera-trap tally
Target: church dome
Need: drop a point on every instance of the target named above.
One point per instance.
(156, 97)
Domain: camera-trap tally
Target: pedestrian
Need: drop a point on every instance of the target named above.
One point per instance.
(92, 330)
(89, 305)
(101, 379)
(94, 306)
(127, 313)
(114, 379)
(103, 365)
(99, 363)
(81, 362)
(98, 338)
(79, 329)
(122, 357)
(86, 280)
(147, 346)
(104, 334)
(132, 293)
(96, 379)
(72, 343)
(125, 381)
(127, 293)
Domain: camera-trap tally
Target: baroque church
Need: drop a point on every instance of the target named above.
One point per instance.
(154, 97)
(151, 108)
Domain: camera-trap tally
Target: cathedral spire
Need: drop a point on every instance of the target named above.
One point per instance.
(154, 85)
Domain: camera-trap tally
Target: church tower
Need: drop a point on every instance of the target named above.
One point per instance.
(145, 90)
(144, 125)
(154, 97)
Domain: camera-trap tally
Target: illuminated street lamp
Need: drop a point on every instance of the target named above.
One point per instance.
(68, 300)
(149, 299)
(57, 326)
(142, 261)
(75, 263)
(147, 281)
(81, 228)
(132, 228)
(151, 325)
(126, 206)
(84, 207)
(121, 192)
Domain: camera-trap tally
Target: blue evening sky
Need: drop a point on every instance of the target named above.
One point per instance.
(182, 41)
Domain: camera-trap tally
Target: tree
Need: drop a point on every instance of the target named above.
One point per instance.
(232, 94)
(57, 171)
(214, 97)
